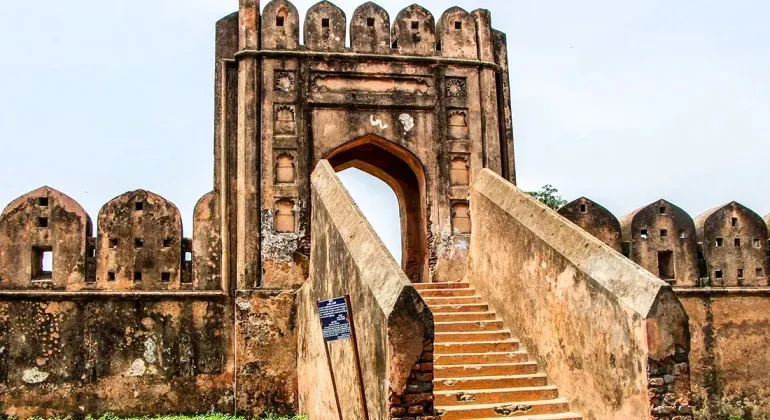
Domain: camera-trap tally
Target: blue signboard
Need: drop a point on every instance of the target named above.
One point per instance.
(334, 319)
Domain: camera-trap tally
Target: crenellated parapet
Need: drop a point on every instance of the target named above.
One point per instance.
(47, 243)
(458, 34)
(726, 246)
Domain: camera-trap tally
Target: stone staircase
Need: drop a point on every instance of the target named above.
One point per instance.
(480, 371)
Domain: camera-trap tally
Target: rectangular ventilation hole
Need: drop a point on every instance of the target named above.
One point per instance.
(279, 21)
(664, 233)
(138, 242)
(42, 222)
(137, 276)
(718, 274)
(458, 25)
(165, 276)
(583, 208)
(111, 276)
(114, 243)
(644, 234)
(167, 243)
(415, 25)
(720, 242)
(737, 242)
(734, 221)
(325, 22)
(666, 265)
(42, 201)
(760, 273)
(757, 243)
(370, 22)
(662, 210)
(42, 263)
(139, 206)
(740, 273)
(188, 256)
(682, 234)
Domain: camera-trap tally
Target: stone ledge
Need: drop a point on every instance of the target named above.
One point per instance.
(110, 294)
(722, 291)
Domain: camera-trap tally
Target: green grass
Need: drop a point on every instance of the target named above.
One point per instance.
(210, 416)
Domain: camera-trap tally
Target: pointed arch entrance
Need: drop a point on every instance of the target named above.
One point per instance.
(403, 172)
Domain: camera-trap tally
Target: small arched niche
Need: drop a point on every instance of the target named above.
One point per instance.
(285, 170)
(461, 218)
(459, 172)
(285, 216)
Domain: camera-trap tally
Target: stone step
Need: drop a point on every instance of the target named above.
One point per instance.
(447, 293)
(468, 326)
(519, 409)
(480, 358)
(462, 337)
(434, 286)
(476, 347)
(462, 300)
(469, 371)
(463, 316)
(495, 396)
(559, 416)
(443, 309)
(490, 382)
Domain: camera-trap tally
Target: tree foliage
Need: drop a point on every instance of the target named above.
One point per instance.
(549, 196)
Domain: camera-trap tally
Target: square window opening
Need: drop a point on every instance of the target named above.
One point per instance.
(644, 234)
(583, 208)
(279, 21)
(42, 222)
(325, 22)
(734, 222)
(737, 242)
(662, 210)
(42, 263)
(458, 25)
(139, 206)
(415, 25)
(740, 273)
(370, 22)
(111, 276)
(718, 274)
(167, 242)
(165, 277)
(137, 276)
(42, 201)
(138, 242)
(760, 273)
(664, 233)
(720, 242)
(114, 243)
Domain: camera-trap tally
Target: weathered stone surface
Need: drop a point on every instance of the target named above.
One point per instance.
(392, 322)
(39, 222)
(596, 220)
(592, 318)
(734, 241)
(662, 239)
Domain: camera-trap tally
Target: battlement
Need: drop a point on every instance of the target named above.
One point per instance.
(457, 34)
(47, 243)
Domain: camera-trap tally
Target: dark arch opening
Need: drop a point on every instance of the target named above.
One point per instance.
(403, 172)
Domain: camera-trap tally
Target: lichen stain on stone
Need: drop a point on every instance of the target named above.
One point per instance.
(149, 351)
(280, 247)
(34, 376)
(138, 368)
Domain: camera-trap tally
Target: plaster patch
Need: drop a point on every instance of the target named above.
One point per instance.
(244, 305)
(377, 122)
(149, 351)
(407, 121)
(138, 368)
(34, 376)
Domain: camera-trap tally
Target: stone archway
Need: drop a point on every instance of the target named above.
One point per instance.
(403, 172)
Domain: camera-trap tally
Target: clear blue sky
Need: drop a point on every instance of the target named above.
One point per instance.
(624, 102)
